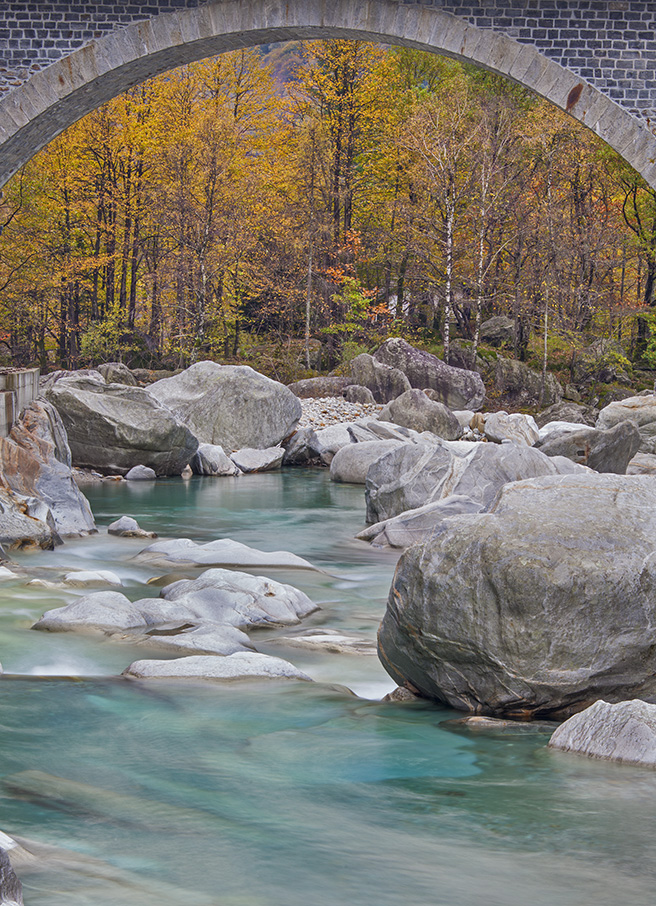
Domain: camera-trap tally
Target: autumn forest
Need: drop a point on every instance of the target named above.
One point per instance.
(292, 206)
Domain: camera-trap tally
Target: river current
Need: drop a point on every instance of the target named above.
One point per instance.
(285, 793)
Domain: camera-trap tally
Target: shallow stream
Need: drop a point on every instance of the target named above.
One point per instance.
(285, 793)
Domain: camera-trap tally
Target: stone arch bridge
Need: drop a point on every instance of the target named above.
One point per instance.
(595, 59)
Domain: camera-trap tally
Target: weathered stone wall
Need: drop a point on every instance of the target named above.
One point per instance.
(609, 43)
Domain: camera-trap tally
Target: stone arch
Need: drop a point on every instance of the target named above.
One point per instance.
(51, 100)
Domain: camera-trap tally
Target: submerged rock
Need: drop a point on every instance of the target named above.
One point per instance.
(242, 665)
(624, 732)
(536, 608)
(230, 405)
(248, 460)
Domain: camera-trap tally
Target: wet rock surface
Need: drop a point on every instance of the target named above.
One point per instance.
(536, 608)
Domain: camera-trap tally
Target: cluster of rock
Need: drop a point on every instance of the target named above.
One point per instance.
(527, 586)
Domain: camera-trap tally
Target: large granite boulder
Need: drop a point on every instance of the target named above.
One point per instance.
(497, 330)
(35, 461)
(354, 393)
(567, 411)
(384, 381)
(536, 608)
(517, 427)
(112, 428)
(118, 373)
(352, 462)
(641, 410)
(319, 387)
(249, 460)
(415, 475)
(232, 406)
(459, 389)
(608, 450)
(211, 459)
(624, 732)
(520, 386)
(25, 523)
(413, 409)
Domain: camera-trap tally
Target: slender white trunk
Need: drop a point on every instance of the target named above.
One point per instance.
(448, 290)
(308, 299)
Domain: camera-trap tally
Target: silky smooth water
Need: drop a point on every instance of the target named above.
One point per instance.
(286, 793)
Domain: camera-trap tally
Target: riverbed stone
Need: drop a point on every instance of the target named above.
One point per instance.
(211, 459)
(351, 463)
(127, 527)
(517, 427)
(179, 552)
(567, 411)
(415, 475)
(209, 614)
(354, 393)
(141, 473)
(459, 389)
(608, 450)
(112, 427)
(117, 373)
(642, 464)
(25, 523)
(331, 439)
(35, 462)
(624, 732)
(230, 405)
(302, 448)
(84, 577)
(413, 409)
(520, 386)
(249, 460)
(11, 889)
(536, 608)
(641, 410)
(319, 387)
(238, 666)
(383, 381)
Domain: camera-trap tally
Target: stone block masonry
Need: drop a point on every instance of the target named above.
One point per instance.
(611, 44)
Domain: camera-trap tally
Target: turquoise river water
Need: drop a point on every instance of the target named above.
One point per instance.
(285, 793)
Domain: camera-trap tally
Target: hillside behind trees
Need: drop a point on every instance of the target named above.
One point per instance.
(291, 209)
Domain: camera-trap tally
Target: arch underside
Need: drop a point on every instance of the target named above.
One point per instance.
(53, 99)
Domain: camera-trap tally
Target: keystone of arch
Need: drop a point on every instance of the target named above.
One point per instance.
(57, 96)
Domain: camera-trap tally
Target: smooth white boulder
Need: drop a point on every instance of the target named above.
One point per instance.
(624, 732)
(242, 665)
(222, 552)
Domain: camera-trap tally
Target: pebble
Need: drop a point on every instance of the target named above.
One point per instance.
(330, 410)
